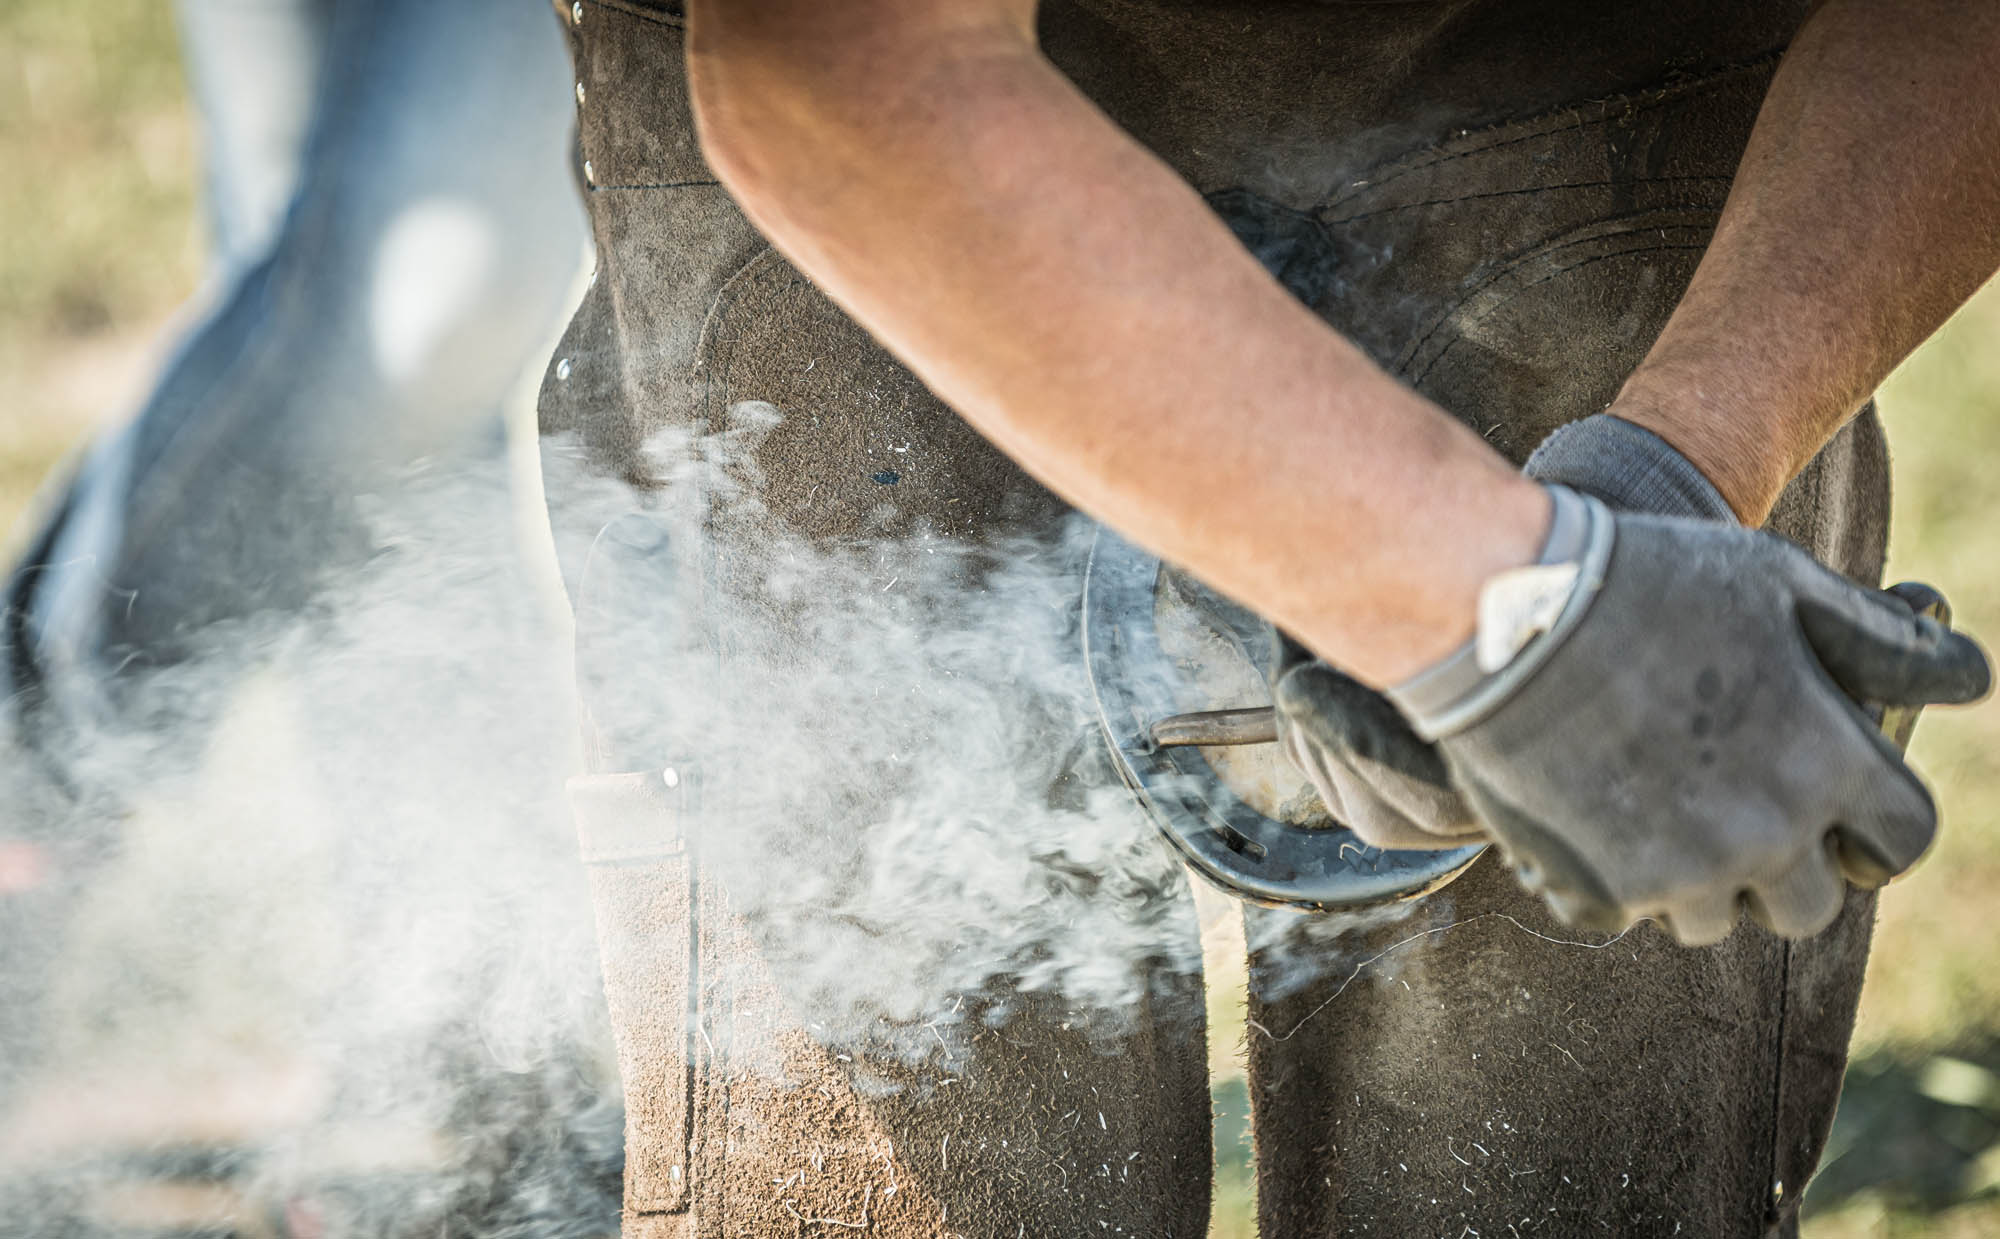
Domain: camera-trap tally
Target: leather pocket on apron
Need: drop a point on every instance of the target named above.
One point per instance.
(1517, 274)
(1549, 337)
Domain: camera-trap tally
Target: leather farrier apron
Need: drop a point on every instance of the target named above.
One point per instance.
(1501, 200)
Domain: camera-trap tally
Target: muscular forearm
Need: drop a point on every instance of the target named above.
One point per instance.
(1076, 301)
(1866, 210)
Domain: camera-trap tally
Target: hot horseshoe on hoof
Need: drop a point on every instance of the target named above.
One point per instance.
(1184, 710)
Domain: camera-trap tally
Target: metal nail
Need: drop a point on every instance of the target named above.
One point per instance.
(1256, 725)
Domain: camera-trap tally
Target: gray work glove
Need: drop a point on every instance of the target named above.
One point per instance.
(1665, 724)
(1376, 775)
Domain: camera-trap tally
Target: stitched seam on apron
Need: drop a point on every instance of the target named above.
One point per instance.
(1588, 114)
(1560, 271)
(691, 1030)
(1514, 193)
(1772, 1210)
(1628, 227)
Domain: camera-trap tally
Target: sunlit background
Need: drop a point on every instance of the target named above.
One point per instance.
(100, 244)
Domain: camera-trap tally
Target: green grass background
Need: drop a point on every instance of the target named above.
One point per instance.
(99, 242)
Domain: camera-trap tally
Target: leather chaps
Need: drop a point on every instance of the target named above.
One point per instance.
(1501, 200)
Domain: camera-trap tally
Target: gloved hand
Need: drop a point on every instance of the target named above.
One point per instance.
(1678, 731)
(1376, 775)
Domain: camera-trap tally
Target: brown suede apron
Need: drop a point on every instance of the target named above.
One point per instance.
(1501, 200)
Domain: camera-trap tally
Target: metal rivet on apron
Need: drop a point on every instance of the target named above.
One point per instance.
(673, 779)
(579, 94)
(562, 371)
(576, 13)
(589, 174)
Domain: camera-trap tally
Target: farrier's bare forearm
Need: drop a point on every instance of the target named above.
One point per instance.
(1866, 210)
(1076, 301)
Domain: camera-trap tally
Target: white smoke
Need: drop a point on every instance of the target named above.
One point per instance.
(897, 748)
(329, 943)
(332, 944)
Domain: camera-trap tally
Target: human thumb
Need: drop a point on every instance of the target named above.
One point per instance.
(1882, 652)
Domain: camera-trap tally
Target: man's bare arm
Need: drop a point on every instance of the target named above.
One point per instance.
(1076, 301)
(1866, 210)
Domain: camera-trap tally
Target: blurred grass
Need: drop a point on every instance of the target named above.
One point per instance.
(1912, 1154)
(1933, 968)
(99, 242)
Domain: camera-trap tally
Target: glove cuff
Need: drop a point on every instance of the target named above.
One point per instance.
(1518, 634)
(1628, 467)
